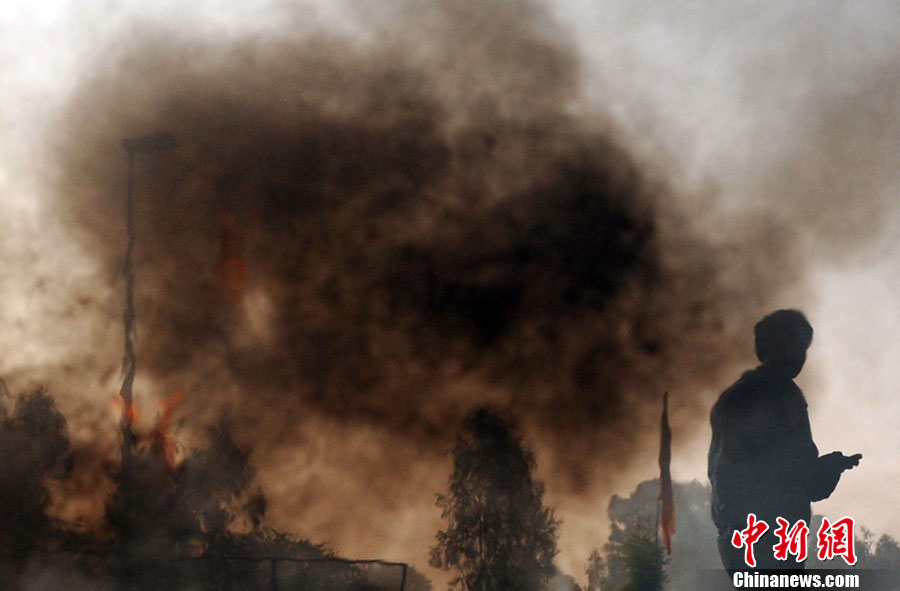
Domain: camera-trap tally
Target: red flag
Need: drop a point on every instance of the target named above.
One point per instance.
(667, 502)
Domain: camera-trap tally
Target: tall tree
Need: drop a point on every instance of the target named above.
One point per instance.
(500, 535)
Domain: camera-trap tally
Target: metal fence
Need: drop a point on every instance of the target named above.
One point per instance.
(239, 573)
(208, 572)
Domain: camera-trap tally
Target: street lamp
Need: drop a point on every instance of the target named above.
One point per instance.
(148, 144)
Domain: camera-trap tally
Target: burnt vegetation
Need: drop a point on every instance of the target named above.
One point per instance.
(194, 524)
(34, 447)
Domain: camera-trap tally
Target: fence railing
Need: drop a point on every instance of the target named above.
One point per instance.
(287, 573)
(217, 572)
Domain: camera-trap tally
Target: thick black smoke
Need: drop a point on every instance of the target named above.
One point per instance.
(389, 234)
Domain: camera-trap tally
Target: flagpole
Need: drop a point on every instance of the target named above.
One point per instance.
(665, 511)
(656, 522)
(156, 142)
(658, 512)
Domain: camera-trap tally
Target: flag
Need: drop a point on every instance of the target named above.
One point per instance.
(666, 500)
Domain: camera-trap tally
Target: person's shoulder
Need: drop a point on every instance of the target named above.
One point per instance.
(738, 393)
(795, 396)
(745, 385)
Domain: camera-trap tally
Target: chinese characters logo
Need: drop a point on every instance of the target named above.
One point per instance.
(832, 540)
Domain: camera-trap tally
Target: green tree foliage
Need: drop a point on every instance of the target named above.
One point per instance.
(881, 558)
(597, 572)
(500, 536)
(694, 548)
(886, 554)
(638, 562)
(644, 562)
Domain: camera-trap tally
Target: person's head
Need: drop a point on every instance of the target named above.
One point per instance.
(782, 339)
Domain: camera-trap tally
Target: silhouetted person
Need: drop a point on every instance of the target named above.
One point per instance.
(762, 458)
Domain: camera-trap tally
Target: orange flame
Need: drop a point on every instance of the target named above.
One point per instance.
(131, 413)
(162, 436)
(128, 412)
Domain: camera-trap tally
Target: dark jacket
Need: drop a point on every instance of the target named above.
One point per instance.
(762, 458)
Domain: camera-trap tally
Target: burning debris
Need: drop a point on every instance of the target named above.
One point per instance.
(171, 524)
(162, 432)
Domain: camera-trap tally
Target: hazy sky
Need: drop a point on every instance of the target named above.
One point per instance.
(764, 119)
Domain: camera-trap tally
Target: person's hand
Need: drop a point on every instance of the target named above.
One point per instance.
(852, 461)
(828, 472)
(838, 462)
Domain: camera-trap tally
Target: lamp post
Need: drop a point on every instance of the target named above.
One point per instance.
(148, 144)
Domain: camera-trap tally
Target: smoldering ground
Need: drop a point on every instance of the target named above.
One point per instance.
(358, 241)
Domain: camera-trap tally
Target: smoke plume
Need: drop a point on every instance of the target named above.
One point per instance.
(396, 238)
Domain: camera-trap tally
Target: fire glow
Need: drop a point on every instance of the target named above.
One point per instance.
(159, 434)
